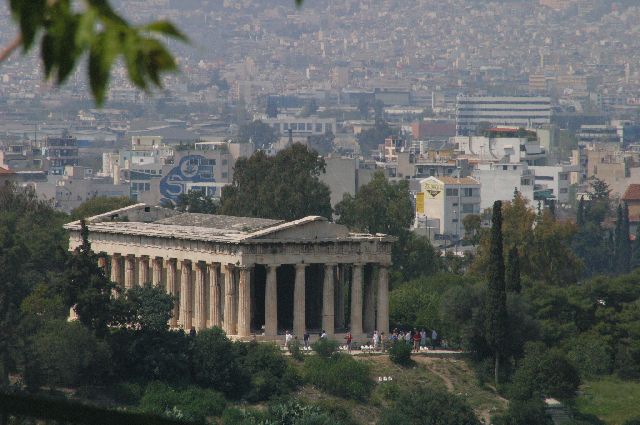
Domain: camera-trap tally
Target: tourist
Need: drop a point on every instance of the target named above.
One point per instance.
(349, 338)
(423, 338)
(382, 341)
(287, 339)
(407, 338)
(192, 331)
(434, 339)
(323, 334)
(306, 337)
(416, 341)
(375, 340)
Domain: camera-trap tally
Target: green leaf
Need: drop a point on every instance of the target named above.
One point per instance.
(30, 16)
(86, 28)
(165, 28)
(102, 54)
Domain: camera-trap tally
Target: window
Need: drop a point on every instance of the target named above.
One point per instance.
(564, 190)
(309, 126)
(452, 192)
(505, 167)
(318, 128)
(467, 208)
(225, 175)
(467, 192)
(564, 176)
(455, 220)
(224, 162)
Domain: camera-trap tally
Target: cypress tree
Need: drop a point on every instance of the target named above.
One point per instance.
(496, 304)
(635, 260)
(625, 243)
(619, 246)
(580, 219)
(513, 280)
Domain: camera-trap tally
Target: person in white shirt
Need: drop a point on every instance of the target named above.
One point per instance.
(287, 339)
(375, 340)
(323, 335)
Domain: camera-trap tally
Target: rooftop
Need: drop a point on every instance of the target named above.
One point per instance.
(632, 193)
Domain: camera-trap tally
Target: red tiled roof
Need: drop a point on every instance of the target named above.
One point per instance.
(632, 193)
(5, 171)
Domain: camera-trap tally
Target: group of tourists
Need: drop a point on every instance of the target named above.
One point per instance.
(416, 339)
(306, 337)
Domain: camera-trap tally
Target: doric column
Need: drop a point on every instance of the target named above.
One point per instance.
(102, 262)
(328, 316)
(156, 278)
(339, 291)
(271, 301)
(356, 300)
(116, 269)
(369, 318)
(185, 295)
(229, 298)
(143, 270)
(244, 301)
(383, 299)
(129, 271)
(215, 318)
(172, 289)
(200, 297)
(299, 311)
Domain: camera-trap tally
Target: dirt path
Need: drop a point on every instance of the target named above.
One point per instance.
(430, 363)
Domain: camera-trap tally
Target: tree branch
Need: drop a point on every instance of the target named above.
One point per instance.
(10, 48)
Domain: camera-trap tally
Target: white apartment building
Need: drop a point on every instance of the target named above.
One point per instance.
(445, 201)
(502, 148)
(515, 111)
(499, 182)
(554, 180)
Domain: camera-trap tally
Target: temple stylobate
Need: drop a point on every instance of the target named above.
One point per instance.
(248, 276)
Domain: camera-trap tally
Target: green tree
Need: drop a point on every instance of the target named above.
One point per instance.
(285, 187)
(472, 228)
(496, 316)
(370, 139)
(378, 207)
(196, 201)
(530, 412)
(99, 205)
(321, 143)
(261, 134)
(635, 260)
(66, 36)
(146, 308)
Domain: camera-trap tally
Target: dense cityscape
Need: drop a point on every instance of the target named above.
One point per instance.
(421, 203)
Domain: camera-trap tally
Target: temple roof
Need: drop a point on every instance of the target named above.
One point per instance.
(145, 220)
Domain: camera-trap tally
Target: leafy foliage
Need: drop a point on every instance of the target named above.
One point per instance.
(261, 134)
(191, 404)
(530, 412)
(370, 139)
(340, 375)
(284, 187)
(325, 347)
(196, 201)
(66, 35)
(400, 353)
(99, 205)
(429, 406)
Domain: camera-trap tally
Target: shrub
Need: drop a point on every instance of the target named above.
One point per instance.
(633, 421)
(530, 412)
(325, 347)
(590, 353)
(269, 372)
(400, 353)
(340, 375)
(191, 404)
(127, 393)
(295, 351)
(439, 406)
(67, 354)
(215, 363)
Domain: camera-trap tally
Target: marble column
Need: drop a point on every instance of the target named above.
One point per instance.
(244, 302)
(299, 311)
(369, 318)
(271, 301)
(185, 296)
(129, 271)
(229, 298)
(215, 318)
(172, 289)
(156, 278)
(356, 300)
(339, 292)
(102, 262)
(328, 315)
(200, 297)
(143, 270)
(116, 269)
(383, 299)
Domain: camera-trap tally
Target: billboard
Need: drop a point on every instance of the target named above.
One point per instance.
(420, 203)
(433, 189)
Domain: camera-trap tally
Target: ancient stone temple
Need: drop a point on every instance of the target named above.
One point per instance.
(248, 276)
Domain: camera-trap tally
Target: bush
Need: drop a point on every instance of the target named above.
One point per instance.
(590, 353)
(340, 375)
(270, 373)
(235, 416)
(215, 363)
(127, 393)
(191, 404)
(524, 412)
(325, 347)
(427, 405)
(67, 354)
(400, 353)
(295, 351)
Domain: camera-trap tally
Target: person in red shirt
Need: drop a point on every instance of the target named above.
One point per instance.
(416, 341)
(349, 338)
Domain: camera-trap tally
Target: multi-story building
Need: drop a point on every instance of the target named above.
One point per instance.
(593, 135)
(78, 184)
(301, 126)
(500, 181)
(503, 145)
(60, 152)
(509, 111)
(446, 201)
(553, 182)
